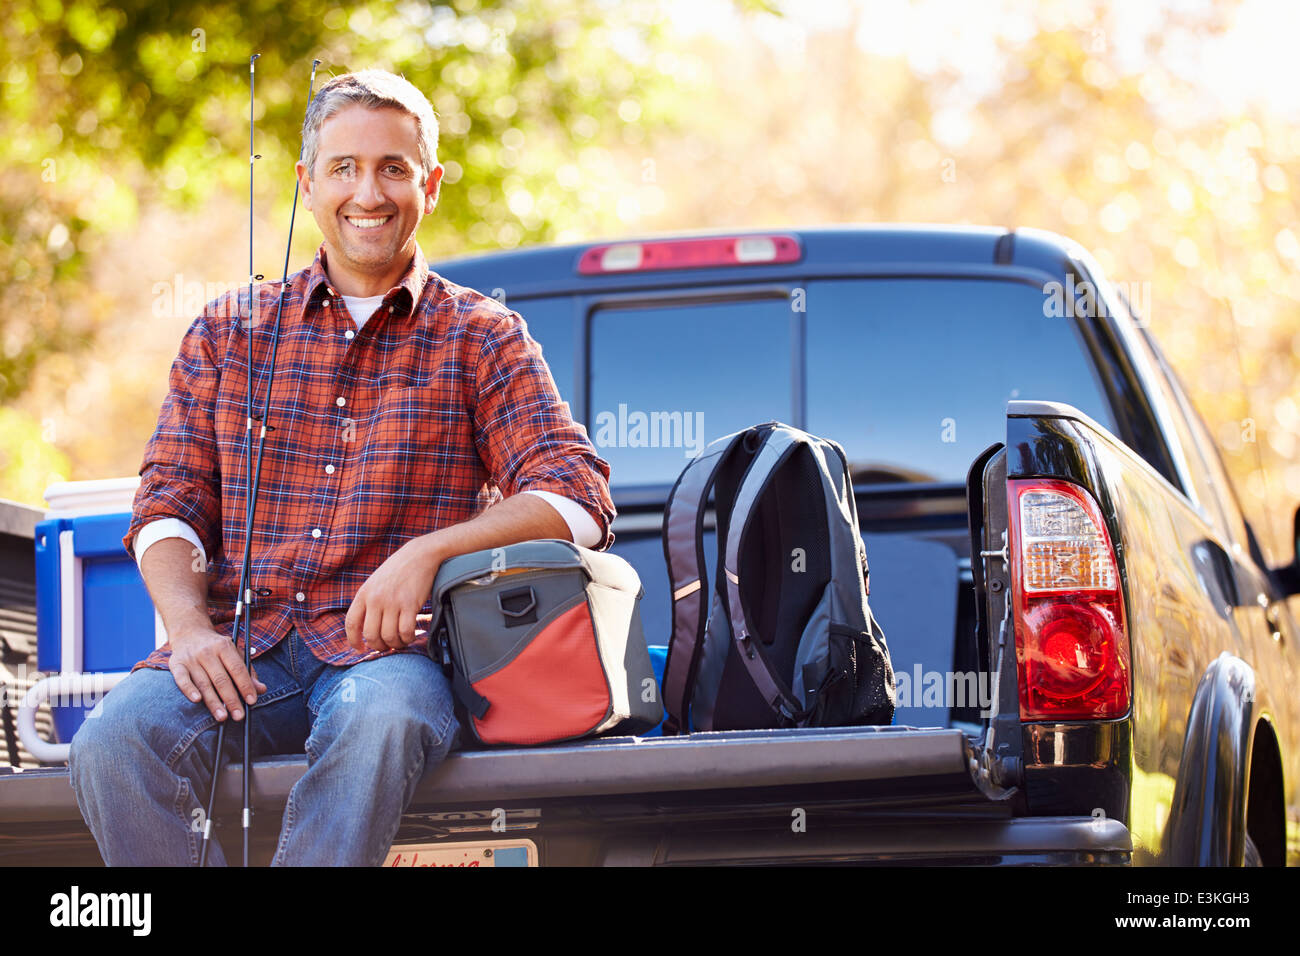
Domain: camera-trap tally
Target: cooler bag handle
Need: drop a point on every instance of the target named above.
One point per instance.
(517, 616)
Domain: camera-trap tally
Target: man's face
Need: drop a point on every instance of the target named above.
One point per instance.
(366, 195)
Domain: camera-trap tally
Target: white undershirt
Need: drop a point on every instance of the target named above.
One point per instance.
(362, 307)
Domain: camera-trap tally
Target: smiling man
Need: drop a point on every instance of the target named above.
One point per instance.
(410, 420)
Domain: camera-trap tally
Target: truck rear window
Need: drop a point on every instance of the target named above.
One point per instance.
(910, 375)
(665, 381)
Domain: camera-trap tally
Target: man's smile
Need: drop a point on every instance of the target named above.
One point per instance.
(371, 222)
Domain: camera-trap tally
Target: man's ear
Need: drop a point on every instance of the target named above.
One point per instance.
(304, 183)
(432, 188)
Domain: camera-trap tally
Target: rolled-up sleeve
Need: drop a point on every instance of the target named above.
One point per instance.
(180, 474)
(525, 434)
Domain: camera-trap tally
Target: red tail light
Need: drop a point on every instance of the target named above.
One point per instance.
(689, 254)
(1071, 636)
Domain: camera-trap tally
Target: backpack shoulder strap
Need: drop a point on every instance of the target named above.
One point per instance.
(847, 550)
(683, 540)
(779, 443)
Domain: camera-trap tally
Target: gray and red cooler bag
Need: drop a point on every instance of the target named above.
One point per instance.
(543, 642)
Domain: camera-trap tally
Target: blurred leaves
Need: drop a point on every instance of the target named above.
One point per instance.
(29, 458)
(108, 106)
(115, 110)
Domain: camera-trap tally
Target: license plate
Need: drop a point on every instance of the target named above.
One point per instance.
(496, 853)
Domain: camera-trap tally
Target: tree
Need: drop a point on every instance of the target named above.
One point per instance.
(112, 110)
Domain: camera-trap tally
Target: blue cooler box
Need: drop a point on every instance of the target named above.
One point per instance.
(93, 612)
(658, 654)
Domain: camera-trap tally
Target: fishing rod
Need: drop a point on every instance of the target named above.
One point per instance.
(244, 600)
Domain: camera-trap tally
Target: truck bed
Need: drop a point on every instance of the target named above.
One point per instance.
(659, 789)
(868, 793)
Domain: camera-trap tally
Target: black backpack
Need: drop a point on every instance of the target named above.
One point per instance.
(789, 639)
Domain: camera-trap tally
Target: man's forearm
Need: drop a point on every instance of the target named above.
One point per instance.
(517, 518)
(178, 583)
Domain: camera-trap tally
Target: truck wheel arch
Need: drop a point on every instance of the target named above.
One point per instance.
(1230, 753)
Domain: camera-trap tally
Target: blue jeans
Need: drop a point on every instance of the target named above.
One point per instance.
(141, 763)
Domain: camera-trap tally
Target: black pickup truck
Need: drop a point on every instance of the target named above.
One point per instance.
(1096, 663)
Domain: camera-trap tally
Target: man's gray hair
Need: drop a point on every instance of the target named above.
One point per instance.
(373, 89)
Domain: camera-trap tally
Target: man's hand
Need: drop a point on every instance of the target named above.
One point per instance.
(207, 666)
(383, 613)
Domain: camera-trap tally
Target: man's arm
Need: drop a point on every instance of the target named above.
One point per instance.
(524, 433)
(583, 529)
(528, 441)
(383, 613)
(161, 528)
(180, 473)
(509, 521)
(204, 663)
(179, 589)
(180, 479)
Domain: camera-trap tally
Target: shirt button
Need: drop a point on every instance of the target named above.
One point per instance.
(329, 469)
(340, 401)
(349, 334)
(315, 532)
(300, 596)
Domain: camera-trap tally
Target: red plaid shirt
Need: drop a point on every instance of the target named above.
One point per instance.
(439, 406)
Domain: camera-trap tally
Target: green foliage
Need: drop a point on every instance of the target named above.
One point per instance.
(108, 107)
(29, 460)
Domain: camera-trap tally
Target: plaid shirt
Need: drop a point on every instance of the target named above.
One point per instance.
(438, 407)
